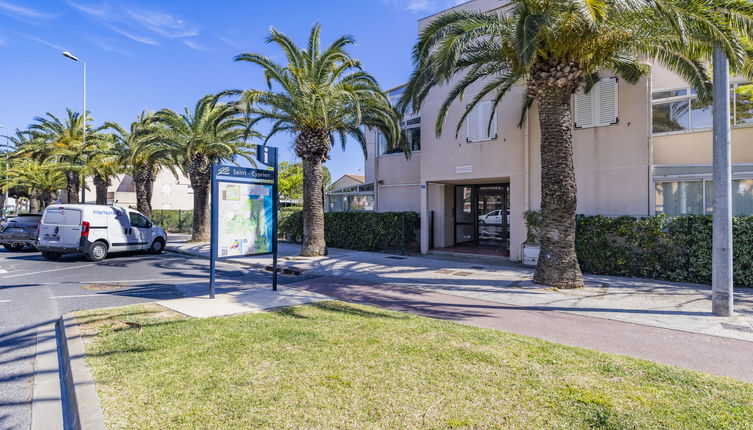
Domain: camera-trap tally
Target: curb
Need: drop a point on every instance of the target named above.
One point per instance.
(81, 402)
(47, 410)
(285, 270)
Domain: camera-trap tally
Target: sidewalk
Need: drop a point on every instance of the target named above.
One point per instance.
(668, 305)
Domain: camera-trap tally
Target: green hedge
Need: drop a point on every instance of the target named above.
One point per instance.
(174, 220)
(673, 249)
(363, 231)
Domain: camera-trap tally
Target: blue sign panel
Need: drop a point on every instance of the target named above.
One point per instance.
(244, 212)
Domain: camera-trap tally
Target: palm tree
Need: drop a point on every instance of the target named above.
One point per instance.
(556, 48)
(142, 154)
(49, 137)
(103, 164)
(40, 179)
(318, 97)
(211, 133)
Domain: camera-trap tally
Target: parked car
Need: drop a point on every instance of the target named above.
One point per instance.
(95, 231)
(20, 231)
(494, 217)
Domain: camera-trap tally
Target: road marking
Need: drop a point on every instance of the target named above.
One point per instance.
(46, 271)
(4, 301)
(138, 281)
(77, 295)
(3, 271)
(110, 294)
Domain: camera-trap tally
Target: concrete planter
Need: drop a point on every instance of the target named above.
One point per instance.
(530, 254)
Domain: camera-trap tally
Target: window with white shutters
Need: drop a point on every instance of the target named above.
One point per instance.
(477, 123)
(598, 107)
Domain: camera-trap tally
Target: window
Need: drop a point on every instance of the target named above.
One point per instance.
(477, 123)
(697, 197)
(742, 103)
(680, 110)
(346, 203)
(411, 131)
(138, 220)
(61, 216)
(598, 107)
(679, 198)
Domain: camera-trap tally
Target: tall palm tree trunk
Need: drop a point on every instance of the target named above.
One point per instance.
(100, 185)
(199, 173)
(313, 208)
(558, 264)
(34, 201)
(143, 180)
(73, 181)
(49, 197)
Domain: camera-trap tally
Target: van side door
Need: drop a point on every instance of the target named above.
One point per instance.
(119, 230)
(142, 228)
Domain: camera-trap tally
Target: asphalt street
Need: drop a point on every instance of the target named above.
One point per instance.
(35, 292)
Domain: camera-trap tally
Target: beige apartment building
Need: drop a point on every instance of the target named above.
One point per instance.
(169, 192)
(639, 150)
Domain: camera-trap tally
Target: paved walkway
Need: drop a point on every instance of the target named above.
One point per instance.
(711, 354)
(235, 300)
(661, 304)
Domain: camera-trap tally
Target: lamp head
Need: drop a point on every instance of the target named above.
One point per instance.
(69, 55)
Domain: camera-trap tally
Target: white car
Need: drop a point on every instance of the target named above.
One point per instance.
(494, 217)
(96, 230)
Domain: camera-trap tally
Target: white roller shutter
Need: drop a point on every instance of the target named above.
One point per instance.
(477, 123)
(599, 107)
(607, 101)
(473, 122)
(488, 133)
(584, 108)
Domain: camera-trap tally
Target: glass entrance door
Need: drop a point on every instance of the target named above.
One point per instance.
(482, 216)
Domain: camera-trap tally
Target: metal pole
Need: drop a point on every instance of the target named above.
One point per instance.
(5, 202)
(721, 284)
(83, 138)
(214, 231)
(275, 204)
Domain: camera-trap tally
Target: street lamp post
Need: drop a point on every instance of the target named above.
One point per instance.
(7, 147)
(722, 281)
(83, 134)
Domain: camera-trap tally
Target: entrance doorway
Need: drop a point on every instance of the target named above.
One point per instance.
(482, 216)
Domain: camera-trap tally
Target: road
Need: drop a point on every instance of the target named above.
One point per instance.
(35, 292)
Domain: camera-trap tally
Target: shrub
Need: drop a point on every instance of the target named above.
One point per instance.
(364, 231)
(174, 220)
(533, 227)
(673, 249)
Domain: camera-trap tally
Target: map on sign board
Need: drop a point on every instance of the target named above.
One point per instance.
(245, 219)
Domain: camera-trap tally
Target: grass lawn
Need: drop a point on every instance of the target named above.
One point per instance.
(334, 365)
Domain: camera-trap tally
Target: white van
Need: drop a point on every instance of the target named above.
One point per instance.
(96, 230)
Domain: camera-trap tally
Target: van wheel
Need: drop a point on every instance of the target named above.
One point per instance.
(157, 246)
(97, 252)
(13, 246)
(51, 255)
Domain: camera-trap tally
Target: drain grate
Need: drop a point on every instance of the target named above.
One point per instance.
(395, 257)
(742, 328)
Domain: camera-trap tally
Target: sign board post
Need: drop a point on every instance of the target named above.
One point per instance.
(244, 212)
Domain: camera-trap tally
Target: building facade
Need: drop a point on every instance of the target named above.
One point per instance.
(639, 149)
(169, 192)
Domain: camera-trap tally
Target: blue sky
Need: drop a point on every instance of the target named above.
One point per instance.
(166, 54)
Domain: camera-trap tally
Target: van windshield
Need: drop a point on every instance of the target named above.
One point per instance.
(61, 217)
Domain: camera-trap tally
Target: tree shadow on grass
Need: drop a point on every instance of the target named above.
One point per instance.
(350, 309)
(337, 307)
